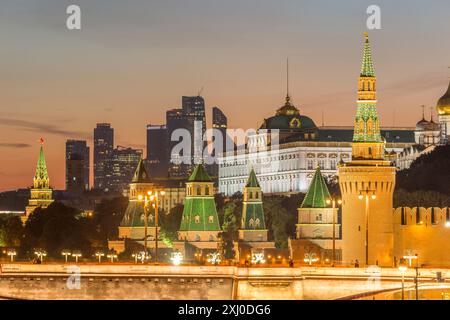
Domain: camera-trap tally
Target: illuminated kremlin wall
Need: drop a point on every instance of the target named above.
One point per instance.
(424, 231)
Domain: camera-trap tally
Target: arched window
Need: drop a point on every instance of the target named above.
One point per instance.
(250, 195)
(199, 190)
(197, 237)
(207, 190)
(251, 222)
(210, 219)
(211, 238)
(257, 222)
(197, 219)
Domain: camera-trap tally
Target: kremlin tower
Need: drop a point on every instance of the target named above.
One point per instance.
(41, 193)
(367, 182)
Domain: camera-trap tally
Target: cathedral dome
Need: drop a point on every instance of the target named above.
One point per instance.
(422, 124)
(443, 105)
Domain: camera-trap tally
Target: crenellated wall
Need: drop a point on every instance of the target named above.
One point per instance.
(425, 231)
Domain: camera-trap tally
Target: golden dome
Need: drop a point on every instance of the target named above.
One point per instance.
(443, 105)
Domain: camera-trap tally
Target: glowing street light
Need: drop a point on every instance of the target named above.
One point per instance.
(12, 253)
(77, 255)
(141, 256)
(151, 197)
(112, 256)
(410, 256)
(310, 258)
(99, 255)
(333, 202)
(40, 254)
(176, 258)
(214, 258)
(66, 253)
(258, 258)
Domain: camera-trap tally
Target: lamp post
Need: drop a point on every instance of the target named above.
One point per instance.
(417, 276)
(11, 253)
(99, 255)
(310, 258)
(333, 202)
(40, 254)
(77, 255)
(402, 268)
(410, 257)
(367, 195)
(66, 253)
(151, 197)
(112, 256)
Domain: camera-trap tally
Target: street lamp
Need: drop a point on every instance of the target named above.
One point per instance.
(40, 254)
(402, 268)
(66, 253)
(367, 195)
(410, 256)
(333, 202)
(310, 258)
(214, 258)
(151, 197)
(99, 255)
(12, 253)
(112, 256)
(141, 256)
(77, 255)
(176, 258)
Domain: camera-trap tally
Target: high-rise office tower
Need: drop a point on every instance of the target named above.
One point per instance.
(175, 119)
(121, 167)
(194, 112)
(77, 165)
(157, 150)
(103, 146)
(219, 122)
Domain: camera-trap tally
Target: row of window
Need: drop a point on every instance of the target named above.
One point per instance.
(197, 218)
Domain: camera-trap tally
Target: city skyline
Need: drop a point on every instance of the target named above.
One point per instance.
(408, 77)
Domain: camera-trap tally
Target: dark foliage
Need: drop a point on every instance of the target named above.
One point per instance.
(430, 172)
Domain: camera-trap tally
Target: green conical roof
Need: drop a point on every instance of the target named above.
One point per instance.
(367, 64)
(41, 168)
(140, 175)
(199, 175)
(252, 180)
(318, 192)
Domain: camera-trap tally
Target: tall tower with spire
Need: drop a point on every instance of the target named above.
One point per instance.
(199, 222)
(40, 193)
(253, 226)
(367, 182)
(133, 222)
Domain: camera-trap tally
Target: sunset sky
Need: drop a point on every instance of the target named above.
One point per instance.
(132, 60)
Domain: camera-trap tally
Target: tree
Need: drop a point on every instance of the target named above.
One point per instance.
(170, 224)
(55, 228)
(11, 231)
(106, 219)
(429, 172)
(279, 220)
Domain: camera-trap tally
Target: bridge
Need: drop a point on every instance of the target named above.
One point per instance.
(162, 282)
